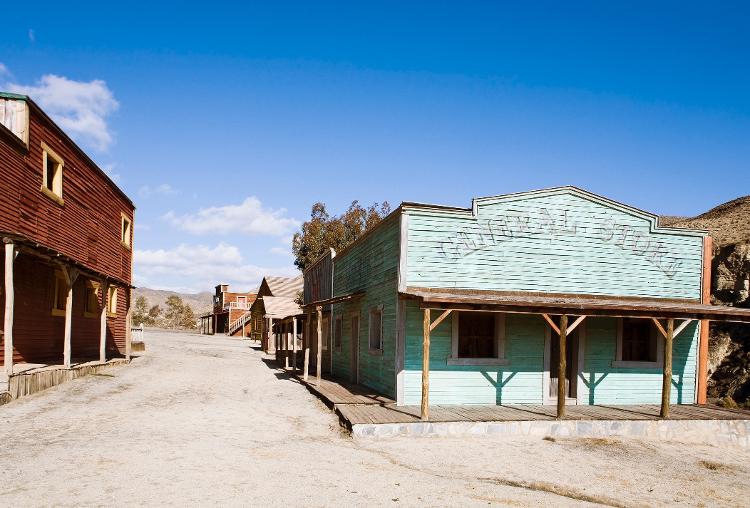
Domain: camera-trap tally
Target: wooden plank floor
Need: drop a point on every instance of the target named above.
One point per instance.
(360, 405)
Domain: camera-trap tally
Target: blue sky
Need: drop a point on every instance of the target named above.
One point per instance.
(224, 123)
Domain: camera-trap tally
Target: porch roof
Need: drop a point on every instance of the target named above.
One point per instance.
(280, 307)
(590, 305)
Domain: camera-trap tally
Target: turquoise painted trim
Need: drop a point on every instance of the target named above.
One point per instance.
(560, 241)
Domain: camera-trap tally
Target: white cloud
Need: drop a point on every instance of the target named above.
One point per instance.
(110, 170)
(4, 70)
(249, 217)
(196, 268)
(81, 108)
(281, 251)
(32, 35)
(160, 190)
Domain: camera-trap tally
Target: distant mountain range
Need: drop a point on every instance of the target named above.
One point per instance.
(199, 302)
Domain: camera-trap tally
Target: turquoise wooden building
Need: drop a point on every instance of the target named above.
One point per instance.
(555, 296)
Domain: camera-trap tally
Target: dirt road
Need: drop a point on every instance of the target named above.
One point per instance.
(203, 420)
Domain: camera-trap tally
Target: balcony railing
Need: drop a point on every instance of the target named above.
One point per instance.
(237, 305)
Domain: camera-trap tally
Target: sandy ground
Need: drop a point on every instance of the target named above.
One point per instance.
(203, 420)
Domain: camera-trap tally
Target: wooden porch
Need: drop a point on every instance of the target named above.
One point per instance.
(358, 405)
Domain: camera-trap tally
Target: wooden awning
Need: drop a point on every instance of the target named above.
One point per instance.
(541, 303)
(335, 299)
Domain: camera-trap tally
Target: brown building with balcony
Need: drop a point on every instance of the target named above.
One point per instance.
(228, 310)
(67, 234)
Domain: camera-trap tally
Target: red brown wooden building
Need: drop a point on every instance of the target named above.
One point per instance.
(226, 316)
(67, 234)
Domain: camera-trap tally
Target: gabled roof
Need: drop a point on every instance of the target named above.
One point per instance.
(284, 286)
(280, 307)
(565, 189)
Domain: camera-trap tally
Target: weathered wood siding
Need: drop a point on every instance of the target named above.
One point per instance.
(600, 383)
(318, 279)
(370, 265)
(560, 241)
(38, 335)
(519, 382)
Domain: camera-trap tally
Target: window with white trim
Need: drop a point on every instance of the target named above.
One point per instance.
(638, 344)
(376, 328)
(52, 174)
(478, 338)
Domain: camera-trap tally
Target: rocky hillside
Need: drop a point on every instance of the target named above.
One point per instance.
(199, 302)
(729, 346)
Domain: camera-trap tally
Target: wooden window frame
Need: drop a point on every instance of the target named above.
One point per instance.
(339, 319)
(126, 238)
(500, 333)
(372, 350)
(619, 363)
(112, 294)
(87, 312)
(56, 193)
(59, 280)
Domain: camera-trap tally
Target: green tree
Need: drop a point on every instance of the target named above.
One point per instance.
(173, 314)
(324, 231)
(140, 311)
(188, 320)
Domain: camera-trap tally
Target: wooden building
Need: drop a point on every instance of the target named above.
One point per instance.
(230, 313)
(288, 289)
(557, 296)
(67, 233)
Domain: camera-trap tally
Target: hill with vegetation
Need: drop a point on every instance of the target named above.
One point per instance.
(729, 345)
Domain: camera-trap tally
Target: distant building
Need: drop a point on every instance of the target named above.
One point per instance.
(67, 233)
(230, 314)
(277, 301)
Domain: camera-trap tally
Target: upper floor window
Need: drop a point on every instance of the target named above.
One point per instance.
(125, 231)
(52, 174)
(638, 344)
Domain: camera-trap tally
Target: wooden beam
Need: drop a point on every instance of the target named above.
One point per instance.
(10, 256)
(682, 326)
(659, 327)
(306, 361)
(666, 386)
(561, 366)
(104, 289)
(575, 324)
(551, 323)
(319, 358)
(425, 409)
(440, 319)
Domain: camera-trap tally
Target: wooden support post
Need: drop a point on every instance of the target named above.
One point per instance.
(708, 251)
(425, 410)
(128, 323)
(104, 289)
(306, 360)
(286, 349)
(294, 344)
(562, 366)
(71, 274)
(319, 357)
(10, 256)
(666, 386)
